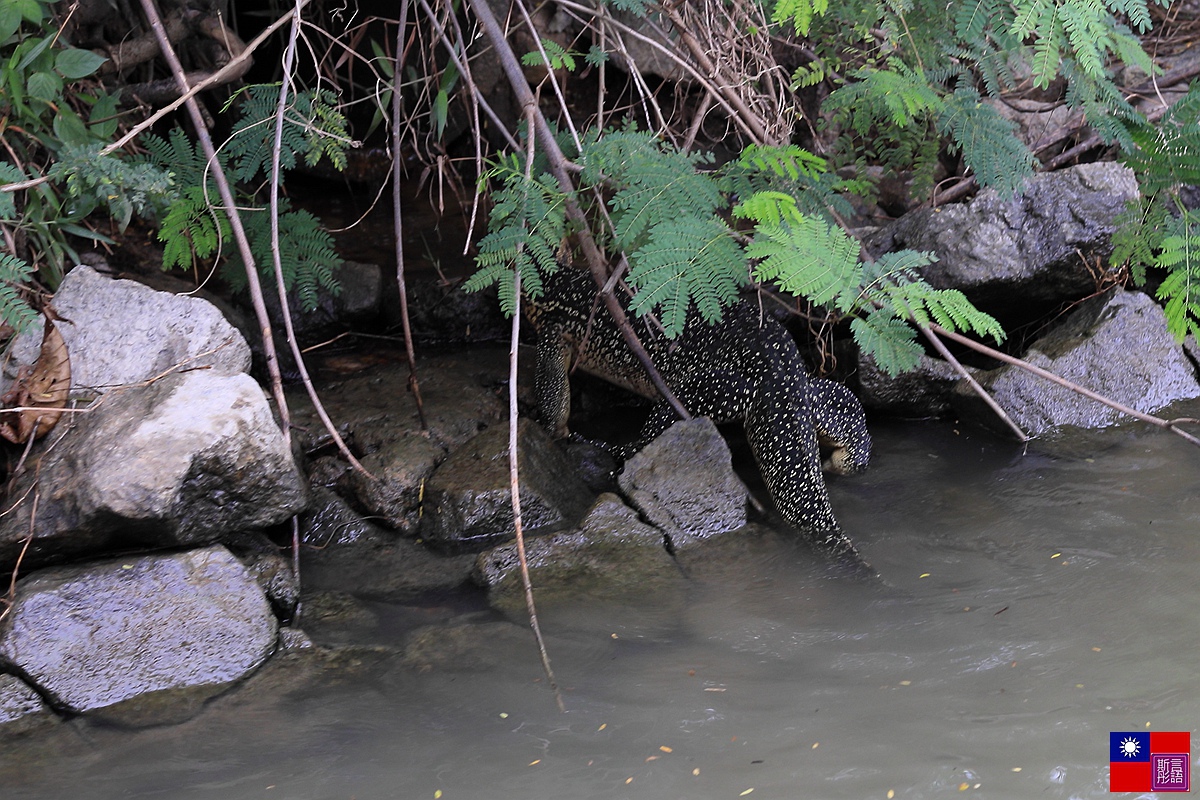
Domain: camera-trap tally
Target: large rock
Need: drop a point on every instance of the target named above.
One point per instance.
(1038, 247)
(684, 483)
(468, 501)
(377, 415)
(611, 556)
(1116, 345)
(922, 392)
(120, 332)
(140, 640)
(21, 708)
(183, 460)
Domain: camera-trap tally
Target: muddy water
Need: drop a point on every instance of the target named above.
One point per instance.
(1030, 605)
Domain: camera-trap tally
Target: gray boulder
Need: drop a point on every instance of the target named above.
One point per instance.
(684, 483)
(1038, 247)
(120, 332)
(1117, 345)
(142, 640)
(468, 501)
(183, 460)
(610, 556)
(920, 393)
(21, 708)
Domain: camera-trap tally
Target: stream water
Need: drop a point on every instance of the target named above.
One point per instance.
(1029, 604)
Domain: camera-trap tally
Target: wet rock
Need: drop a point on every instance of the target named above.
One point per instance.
(120, 332)
(376, 414)
(919, 393)
(142, 640)
(684, 483)
(21, 708)
(266, 562)
(468, 501)
(1038, 247)
(336, 617)
(344, 551)
(1116, 344)
(611, 555)
(184, 460)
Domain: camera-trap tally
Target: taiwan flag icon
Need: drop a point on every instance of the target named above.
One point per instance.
(1141, 761)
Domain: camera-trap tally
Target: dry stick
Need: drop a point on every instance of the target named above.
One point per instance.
(413, 384)
(235, 221)
(235, 63)
(940, 346)
(1170, 425)
(595, 259)
(289, 57)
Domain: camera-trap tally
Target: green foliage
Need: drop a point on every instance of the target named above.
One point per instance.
(56, 119)
(667, 216)
(557, 56)
(193, 228)
(527, 225)
(14, 310)
(987, 141)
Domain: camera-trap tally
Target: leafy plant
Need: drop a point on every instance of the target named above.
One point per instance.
(55, 121)
(669, 218)
(193, 228)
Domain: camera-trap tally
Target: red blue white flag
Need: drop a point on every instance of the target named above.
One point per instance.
(1144, 761)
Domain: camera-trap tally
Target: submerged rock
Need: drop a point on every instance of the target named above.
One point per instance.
(468, 501)
(183, 460)
(684, 483)
(1116, 345)
(611, 555)
(142, 640)
(119, 332)
(1037, 247)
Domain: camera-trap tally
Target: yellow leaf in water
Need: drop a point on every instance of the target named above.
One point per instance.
(1056, 555)
(891, 793)
(814, 747)
(924, 575)
(962, 787)
(651, 758)
(602, 727)
(1016, 769)
(629, 780)
(748, 791)
(503, 715)
(1095, 649)
(535, 761)
(437, 795)
(906, 683)
(696, 771)
(666, 749)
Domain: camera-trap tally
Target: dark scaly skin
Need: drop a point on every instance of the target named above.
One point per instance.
(745, 368)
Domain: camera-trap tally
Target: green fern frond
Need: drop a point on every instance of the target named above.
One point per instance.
(988, 142)
(312, 127)
(1168, 154)
(558, 56)
(895, 285)
(686, 261)
(15, 311)
(804, 256)
(191, 229)
(799, 13)
(887, 339)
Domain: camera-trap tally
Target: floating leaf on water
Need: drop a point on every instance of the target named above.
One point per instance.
(651, 758)
(666, 749)
(923, 575)
(814, 747)
(629, 780)
(748, 791)
(1056, 555)
(1095, 649)
(696, 771)
(891, 793)
(906, 683)
(1016, 769)
(437, 795)
(535, 762)
(962, 787)
(602, 727)
(503, 715)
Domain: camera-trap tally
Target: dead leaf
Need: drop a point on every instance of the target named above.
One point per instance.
(41, 391)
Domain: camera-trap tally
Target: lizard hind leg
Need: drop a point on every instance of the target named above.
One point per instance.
(841, 426)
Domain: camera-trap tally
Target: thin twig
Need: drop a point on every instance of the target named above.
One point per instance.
(513, 474)
(1171, 425)
(398, 218)
(235, 220)
(940, 346)
(289, 58)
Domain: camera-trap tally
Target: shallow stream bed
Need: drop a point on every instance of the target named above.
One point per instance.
(1029, 604)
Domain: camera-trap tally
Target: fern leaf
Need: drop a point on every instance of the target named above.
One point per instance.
(14, 310)
(988, 142)
(888, 340)
(799, 13)
(686, 261)
(807, 257)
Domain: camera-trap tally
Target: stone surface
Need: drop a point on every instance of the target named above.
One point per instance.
(919, 393)
(612, 554)
(1117, 345)
(142, 640)
(1038, 247)
(345, 552)
(183, 460)
(269, 566)
(468, 501)
(376, 414)
(21, 708)
(684, 483)
(120, 332)
(359, 301)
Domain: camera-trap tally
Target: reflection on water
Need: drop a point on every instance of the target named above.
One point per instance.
(1031, 604)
